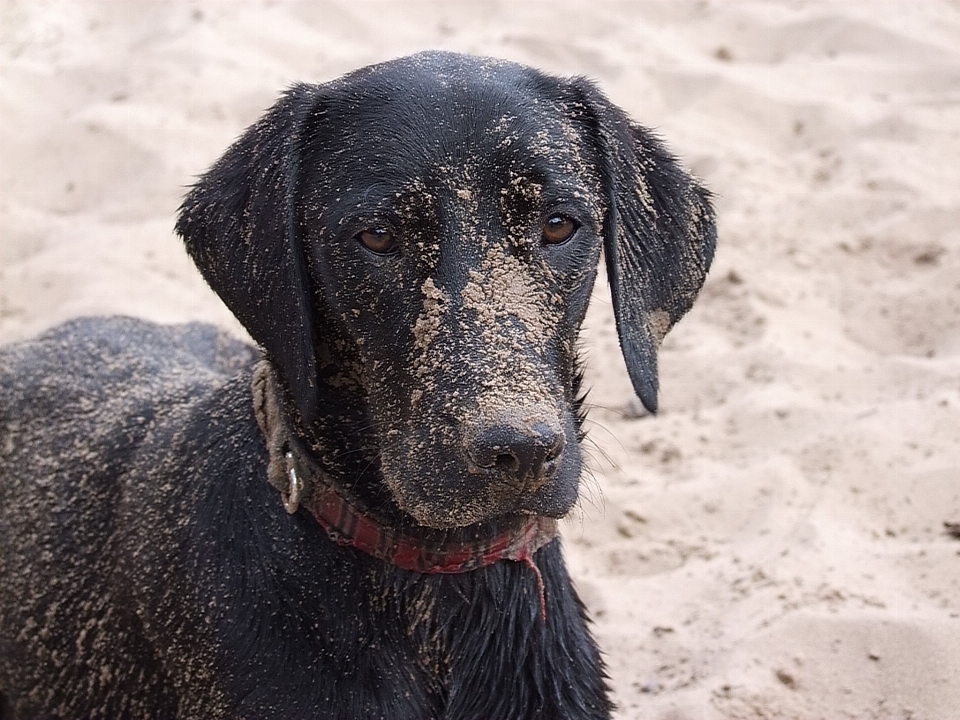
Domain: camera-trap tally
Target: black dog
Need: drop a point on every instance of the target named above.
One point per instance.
(413, 247)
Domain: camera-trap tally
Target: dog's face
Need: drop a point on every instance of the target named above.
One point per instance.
(414, 246)
(452, 227)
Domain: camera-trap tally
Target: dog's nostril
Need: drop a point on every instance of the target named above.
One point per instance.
(506, 462)
(522, 452)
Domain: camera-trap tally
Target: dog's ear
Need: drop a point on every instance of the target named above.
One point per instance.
(240, 225)
(659, 234)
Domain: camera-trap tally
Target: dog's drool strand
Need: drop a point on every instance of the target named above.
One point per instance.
(528, 560)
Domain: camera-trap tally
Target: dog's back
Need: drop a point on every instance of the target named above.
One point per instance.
(150, 570)
(76, 407)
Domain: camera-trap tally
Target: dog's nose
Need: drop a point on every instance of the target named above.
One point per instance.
(526, 452)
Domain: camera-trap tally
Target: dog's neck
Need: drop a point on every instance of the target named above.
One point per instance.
(302, 482)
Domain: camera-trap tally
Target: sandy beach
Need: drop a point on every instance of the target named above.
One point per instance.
(776, 542)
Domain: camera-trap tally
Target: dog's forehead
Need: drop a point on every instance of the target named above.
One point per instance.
(451, 114)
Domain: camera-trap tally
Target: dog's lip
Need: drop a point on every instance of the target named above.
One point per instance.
(451, 522)
(483, 524)
(475, 514)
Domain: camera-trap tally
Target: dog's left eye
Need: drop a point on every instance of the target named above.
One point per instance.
(558, 229)
(379, 240)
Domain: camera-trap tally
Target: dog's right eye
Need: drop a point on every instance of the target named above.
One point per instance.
(558, 229)
(379, 240)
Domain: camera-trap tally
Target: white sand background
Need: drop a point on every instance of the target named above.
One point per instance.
(772, 545)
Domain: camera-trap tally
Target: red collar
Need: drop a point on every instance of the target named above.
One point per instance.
(410, 550)
(347, 526)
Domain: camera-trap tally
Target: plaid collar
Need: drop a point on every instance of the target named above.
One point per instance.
(293, 471)
(411, 550)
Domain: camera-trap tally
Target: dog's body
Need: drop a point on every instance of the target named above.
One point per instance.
(413, 247)
(166, 579)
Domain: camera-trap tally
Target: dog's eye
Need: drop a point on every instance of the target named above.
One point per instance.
(558, 229)
(379, 240)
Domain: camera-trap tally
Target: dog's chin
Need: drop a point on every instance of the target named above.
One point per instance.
(451, 505)
(430, 516)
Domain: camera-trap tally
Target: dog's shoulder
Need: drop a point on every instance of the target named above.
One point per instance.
(90, 390)
(108, 346)
(114, 359)
(86, 413)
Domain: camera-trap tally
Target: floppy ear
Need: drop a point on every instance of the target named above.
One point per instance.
(240, 225)
(659, 235)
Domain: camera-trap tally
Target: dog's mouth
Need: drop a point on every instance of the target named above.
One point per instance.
(521, 465)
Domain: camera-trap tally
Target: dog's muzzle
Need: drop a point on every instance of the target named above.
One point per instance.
(301, 481)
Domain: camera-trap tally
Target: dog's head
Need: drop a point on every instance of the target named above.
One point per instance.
(414, 246)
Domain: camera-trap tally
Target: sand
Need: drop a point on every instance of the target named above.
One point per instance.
(772, 545)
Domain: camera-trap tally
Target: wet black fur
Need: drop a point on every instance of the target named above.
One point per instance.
(147, 567)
